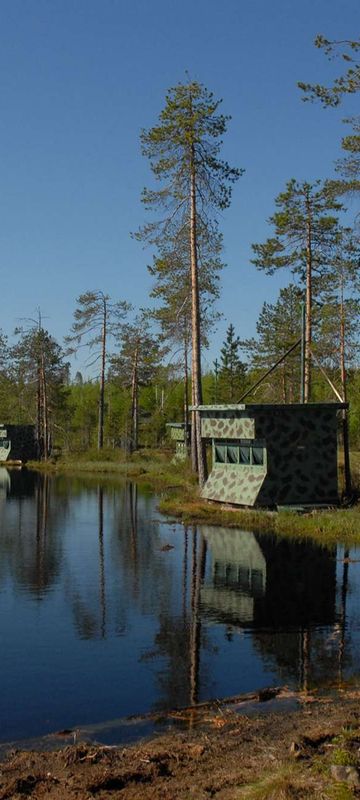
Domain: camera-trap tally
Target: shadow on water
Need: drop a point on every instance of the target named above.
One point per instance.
(136, 614)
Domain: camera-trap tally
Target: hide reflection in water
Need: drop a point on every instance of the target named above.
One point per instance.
(4, 483)
(95, 583)
(285, 593)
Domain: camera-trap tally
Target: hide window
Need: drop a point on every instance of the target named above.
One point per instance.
(246, 452)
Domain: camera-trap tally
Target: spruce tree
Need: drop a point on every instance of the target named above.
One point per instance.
(232, 371)
(278, 328)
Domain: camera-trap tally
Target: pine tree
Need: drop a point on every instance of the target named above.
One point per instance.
(172, 292)
(348, 83)
(183, 150)
(95, 319)
(232, 371)
(135, 365)
(338, 328)
(305, 234)
(41, 376)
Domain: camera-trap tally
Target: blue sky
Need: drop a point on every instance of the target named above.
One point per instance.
(78, 81)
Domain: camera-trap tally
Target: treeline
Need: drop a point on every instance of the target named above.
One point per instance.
(141, 384)
(149, 363)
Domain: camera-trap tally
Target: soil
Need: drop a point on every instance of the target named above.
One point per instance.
(307, 753)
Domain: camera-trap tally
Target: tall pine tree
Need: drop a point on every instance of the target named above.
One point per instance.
(305, 234)
(184, 153)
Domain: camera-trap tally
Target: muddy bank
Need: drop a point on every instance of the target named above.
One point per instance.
(308, 753)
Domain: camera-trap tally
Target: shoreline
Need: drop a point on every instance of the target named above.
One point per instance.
(179, 499)
(306, 753)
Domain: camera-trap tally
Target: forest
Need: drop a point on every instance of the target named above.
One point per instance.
(150, 364)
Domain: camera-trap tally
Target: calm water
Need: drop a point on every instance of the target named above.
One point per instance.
(107, 609)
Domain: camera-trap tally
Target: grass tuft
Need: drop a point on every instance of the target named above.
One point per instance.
(286, 783)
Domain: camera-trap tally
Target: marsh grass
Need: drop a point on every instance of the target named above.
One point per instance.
(287, 782)
(180, 498)
(327, 527)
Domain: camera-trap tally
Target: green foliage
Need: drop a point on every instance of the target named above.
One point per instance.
(232, 372)
(36, 349)
(94, 310)
(184, 154)
(348, 83)
(189, 133)
(81, 418)
(299, 205)
(172, 286)
(278, 328)
(139, 348)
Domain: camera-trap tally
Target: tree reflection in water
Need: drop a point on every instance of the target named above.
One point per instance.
(31, 542)
(173, 615)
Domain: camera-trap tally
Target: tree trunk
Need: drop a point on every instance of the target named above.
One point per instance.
(38, 413)
(195, 332)
(344, 413)
(102, 381)
(45, 424)
(186, 394)
(308, 302)
(342, 343)
(134, 402)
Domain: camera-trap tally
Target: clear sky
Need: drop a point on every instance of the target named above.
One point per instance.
(78, 81)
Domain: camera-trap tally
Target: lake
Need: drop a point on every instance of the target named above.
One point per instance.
(108, 609)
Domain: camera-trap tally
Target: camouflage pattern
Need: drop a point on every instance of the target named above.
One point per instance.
(181, 452)
(238, 574)
(234, 483)
(228, 427)
(301, 457)
(17, 443)
(177, 434)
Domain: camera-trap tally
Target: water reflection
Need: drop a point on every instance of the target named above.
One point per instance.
(238, 576)
(4, 483)
(285, 592)
(139, 613)
(31, 546)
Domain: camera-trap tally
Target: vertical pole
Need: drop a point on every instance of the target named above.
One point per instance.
(302, 365)
(216, 370)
